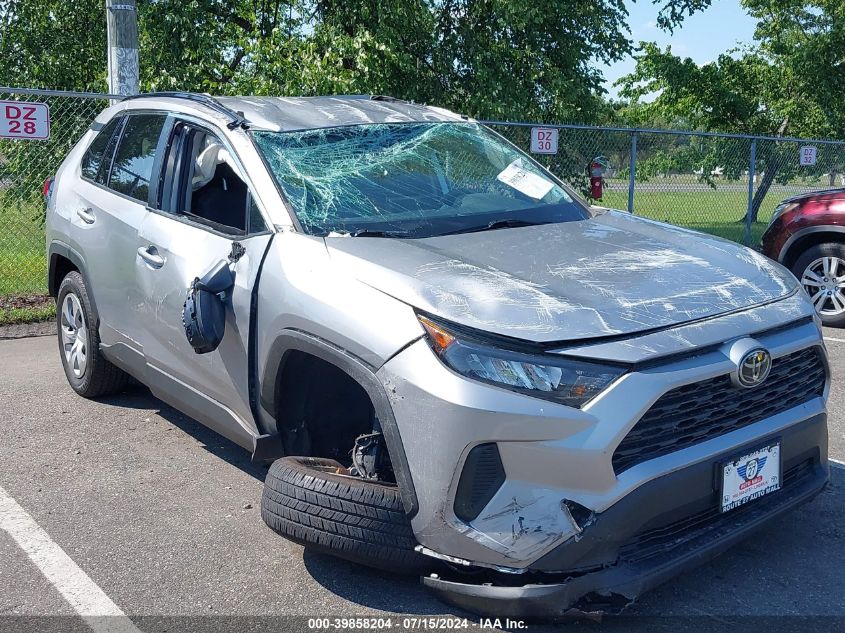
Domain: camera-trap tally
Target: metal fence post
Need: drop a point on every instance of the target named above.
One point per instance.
(748, 214)
(632, 172)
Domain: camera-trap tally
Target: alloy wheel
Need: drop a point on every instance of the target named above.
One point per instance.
(824, 281)
(74, 335)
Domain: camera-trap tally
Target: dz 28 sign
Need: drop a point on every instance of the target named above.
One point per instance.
(19, 119)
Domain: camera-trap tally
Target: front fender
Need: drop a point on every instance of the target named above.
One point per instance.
(364, 374)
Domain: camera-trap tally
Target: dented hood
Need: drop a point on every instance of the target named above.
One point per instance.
(609, 275)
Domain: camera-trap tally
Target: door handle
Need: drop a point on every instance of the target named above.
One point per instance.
(86, 215)
(150, 255)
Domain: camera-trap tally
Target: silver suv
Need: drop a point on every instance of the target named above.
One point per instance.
(457, 367)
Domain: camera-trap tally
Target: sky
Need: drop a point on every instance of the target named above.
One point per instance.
(703, 36)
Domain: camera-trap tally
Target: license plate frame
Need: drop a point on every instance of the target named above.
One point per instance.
(737, 486)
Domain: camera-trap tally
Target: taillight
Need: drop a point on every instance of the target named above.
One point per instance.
(47, 189)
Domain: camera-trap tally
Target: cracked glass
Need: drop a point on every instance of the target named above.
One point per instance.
(411, 180)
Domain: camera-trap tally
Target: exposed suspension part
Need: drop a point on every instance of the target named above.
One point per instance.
(369, 456)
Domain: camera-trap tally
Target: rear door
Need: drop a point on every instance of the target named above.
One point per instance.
(100, 228)
(110, 204)
(192, 226)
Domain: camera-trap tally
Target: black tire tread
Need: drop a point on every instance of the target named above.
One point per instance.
(359, 520)
(103, 378)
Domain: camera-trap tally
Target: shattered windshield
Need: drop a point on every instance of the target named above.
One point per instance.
(411, 180)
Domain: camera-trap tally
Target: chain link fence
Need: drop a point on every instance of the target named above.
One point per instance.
(699, 180)
(24, 166)
(727, 185)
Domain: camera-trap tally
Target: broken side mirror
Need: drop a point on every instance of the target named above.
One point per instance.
(204, 310)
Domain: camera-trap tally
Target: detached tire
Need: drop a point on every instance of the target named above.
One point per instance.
(308, 501)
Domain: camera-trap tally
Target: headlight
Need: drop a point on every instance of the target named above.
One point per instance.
(562, 380)
(782, 208)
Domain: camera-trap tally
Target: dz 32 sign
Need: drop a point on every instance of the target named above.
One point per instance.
(19, 119)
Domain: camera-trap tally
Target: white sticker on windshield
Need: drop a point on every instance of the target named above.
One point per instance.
(532, 185)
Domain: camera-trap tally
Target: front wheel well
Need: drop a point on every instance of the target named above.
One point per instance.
(320, 409)
(809, 240)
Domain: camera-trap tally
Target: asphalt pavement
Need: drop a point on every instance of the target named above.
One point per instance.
(161, 516)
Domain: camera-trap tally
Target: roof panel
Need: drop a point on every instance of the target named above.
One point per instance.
(303, 113)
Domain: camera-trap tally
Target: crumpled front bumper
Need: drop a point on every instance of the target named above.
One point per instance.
(666, 544)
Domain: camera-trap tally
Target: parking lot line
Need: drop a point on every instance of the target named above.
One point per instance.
(835, 340)
(82, 593)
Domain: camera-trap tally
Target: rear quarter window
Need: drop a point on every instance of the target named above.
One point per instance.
(93, 165)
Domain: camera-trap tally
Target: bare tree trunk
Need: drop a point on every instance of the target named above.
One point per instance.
(767, 157)
(763, 189)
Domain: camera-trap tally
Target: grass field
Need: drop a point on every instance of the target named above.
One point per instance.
(23, 267)
(715, 212)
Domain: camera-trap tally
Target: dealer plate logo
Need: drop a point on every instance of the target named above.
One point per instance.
(754, 368)
(750, 476)
(753, 466)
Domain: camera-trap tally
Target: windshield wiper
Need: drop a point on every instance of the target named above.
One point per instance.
(506, 223)
(378, 233)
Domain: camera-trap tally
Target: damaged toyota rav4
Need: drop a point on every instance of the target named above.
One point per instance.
(457, 368)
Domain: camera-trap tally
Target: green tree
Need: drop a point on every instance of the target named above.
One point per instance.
(789, 82)
(490, 58)
(53, 44)
(493, 59)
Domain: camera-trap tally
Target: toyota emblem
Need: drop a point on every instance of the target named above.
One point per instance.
(754, 368)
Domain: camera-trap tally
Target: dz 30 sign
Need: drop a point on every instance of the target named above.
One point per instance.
(544, 140)
(19, 119)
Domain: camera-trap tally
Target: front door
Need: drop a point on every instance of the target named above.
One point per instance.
(204, 210)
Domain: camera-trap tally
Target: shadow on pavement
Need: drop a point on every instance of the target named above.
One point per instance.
(136, 396)
(374, 589)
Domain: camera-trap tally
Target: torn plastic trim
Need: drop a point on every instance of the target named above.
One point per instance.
(529, 602)
(444, 557)
(610, 589)
(467, 564)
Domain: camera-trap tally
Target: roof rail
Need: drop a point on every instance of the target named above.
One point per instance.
(388, 98)
(238, 119)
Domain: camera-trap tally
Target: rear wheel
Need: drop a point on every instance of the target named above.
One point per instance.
(821, 270)
(316, 502)
(88, 372)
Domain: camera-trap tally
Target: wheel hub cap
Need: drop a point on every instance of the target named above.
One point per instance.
(74, 335)
(824, 281)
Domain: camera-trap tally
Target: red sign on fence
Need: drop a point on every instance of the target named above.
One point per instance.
(20, 119)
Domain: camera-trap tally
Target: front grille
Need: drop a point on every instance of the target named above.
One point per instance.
(662, 539)
(703, 410)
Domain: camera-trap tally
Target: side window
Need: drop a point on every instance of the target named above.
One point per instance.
(256, 221)
(133, 162)
(206, 185)
(93, 166)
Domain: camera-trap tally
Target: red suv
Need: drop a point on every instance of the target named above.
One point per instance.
(807, 235)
